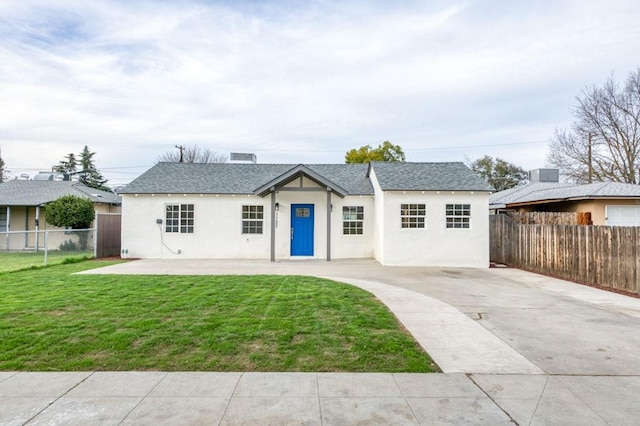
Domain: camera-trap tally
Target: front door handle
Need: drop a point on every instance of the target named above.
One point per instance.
(292, 234)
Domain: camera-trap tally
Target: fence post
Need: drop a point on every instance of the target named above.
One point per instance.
(46, 246)
(95, 240)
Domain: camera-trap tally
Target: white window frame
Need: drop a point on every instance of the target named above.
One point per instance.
(179, 218)
(458, 216)
(352, 220)
(413, 215)
(252, 219)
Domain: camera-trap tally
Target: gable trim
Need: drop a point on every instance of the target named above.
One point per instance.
(295, 173)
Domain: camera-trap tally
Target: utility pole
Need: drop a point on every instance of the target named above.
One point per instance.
(181, 148)
(590, 159)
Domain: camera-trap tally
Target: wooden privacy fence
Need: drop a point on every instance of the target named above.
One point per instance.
(551, 218)
(108, 234)
(606, 256)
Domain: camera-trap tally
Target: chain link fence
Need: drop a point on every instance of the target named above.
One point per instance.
(25, 249)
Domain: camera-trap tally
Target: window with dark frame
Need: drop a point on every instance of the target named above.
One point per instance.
(3, 219)
(352, 220)
(252, 219)
(179, 218)
(413, 215)
(458, 216)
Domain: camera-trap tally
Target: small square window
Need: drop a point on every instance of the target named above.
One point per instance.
(352, 220)
(413, 215)
(458, 216)
(179, 218)
(252, 219)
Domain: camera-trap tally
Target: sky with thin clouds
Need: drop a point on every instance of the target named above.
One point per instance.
(300, 81)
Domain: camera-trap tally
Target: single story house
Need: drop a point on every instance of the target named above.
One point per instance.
(610, 203)
(22, 205)
(420, 214)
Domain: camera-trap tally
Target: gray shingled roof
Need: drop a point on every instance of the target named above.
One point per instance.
(428, 177)
(192, 178)
(554, 191)
(39, 192)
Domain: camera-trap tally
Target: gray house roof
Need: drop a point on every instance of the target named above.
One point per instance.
(347, 179)
(39, 192)
(539, 192)
(428, 177)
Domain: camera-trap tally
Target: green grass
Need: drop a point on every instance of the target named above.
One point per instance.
(15, 261)
(52, 320)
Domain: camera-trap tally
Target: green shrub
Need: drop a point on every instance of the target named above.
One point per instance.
(68, 246)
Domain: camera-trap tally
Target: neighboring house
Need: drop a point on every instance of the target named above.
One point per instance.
(423, 214)
(610, 203)
(22, 204)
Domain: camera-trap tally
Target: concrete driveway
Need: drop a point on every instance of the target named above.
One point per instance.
(515, 348)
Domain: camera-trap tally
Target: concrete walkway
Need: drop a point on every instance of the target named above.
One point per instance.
(516, 348)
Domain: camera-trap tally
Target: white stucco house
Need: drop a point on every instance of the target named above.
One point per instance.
(410, 214)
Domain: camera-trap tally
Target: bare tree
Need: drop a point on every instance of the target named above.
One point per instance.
(192, 154)
(603, 143)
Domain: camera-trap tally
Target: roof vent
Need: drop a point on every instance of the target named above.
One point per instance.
(544, 175)
(238, 156)
(24, 176)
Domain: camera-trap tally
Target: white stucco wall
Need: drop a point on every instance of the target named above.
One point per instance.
(217, 227)
(435, 245)
(378, 242)
(218, 232)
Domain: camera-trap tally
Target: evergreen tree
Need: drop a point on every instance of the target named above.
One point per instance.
(89, 174)
(67, 166)
(1, 168)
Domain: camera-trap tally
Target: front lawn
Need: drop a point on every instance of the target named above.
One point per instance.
(51, 320)
(16, 260)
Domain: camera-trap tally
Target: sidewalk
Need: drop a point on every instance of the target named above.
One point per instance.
(157, 398)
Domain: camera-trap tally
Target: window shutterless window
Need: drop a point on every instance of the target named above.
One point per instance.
(252, 219)
(413, 215)
(352, 220)
(179, 218)
(458, 216)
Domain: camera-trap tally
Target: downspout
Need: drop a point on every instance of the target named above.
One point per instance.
(273, 224)
(329, 208)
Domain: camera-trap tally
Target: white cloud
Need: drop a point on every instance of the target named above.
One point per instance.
(299, 82)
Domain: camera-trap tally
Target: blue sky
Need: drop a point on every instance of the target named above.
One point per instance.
(299, 81)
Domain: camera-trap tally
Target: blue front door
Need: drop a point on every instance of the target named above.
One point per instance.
(302, 230)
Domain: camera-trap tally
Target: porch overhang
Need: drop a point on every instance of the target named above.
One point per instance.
(296, 173)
